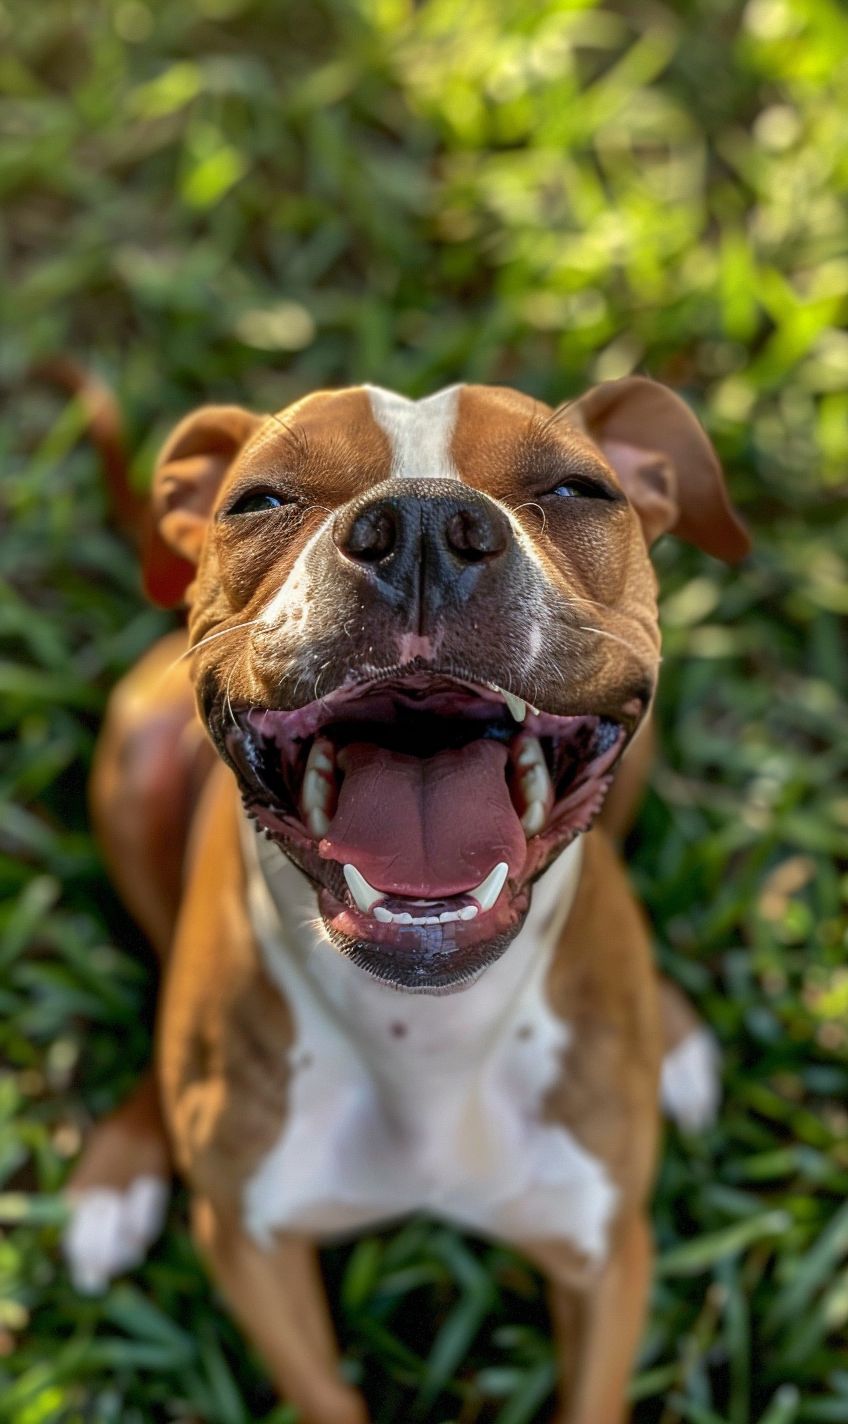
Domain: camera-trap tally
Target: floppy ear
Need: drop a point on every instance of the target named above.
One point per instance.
(186, 481)
(665, 462)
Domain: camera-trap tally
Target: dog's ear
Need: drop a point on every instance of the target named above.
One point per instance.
(186, 481)
(665, 462)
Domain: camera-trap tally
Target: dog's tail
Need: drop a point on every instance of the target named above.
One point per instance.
(104, 428)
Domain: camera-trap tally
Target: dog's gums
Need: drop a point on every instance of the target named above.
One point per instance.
(422, 806)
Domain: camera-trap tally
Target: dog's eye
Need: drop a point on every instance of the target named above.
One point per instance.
(256, 502)
(581, 487)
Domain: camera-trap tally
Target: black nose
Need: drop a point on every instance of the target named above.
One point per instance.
(422, 542)
(460, 528)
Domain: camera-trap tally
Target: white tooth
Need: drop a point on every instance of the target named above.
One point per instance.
(516, 705)
(489, 889)
(533, 819)
(317, 821)
(530, 753)
(469, 912)
(384, 916)
(535, 783)
(318, 794)
(447, 915)
(404, 918)
(322, 755)
(430, 920)
(364, 894)
(317, 790)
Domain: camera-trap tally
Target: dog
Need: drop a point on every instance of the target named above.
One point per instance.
(357, 811)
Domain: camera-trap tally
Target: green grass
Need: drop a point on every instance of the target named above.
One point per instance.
(238, 200)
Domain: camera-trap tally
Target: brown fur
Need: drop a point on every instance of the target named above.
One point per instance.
(171, 827)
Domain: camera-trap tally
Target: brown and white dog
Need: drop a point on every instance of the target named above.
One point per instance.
(401, 971)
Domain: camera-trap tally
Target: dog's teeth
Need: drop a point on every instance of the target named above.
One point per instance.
(534, 785)
(364, 895)
(316, 789)
(516, 705)
(384, 916)
(534, 818)
(489, 889)
(318, 822)
(319, 794)
(469, 912)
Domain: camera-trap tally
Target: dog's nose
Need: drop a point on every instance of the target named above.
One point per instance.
(443, 531)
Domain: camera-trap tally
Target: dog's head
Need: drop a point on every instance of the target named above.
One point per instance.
(424, 633)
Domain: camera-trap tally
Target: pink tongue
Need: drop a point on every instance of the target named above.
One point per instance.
(427, 828)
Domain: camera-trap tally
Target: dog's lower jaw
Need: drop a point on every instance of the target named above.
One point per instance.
(435, 972)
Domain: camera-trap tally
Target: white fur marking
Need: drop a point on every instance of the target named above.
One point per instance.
(294, 593)
(111, 1231)
(443, 1116)
(690, 1083)
(420, 432)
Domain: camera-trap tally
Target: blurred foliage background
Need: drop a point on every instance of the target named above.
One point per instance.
(233, 199)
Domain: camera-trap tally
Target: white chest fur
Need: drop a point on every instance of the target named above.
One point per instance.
(402, 1102)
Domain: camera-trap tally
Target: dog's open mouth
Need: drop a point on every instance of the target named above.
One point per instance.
(423, 806)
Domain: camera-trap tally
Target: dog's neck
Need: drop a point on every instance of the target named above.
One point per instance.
(296, 950)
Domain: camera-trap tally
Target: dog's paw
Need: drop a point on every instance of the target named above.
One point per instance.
(690, 1082)
(112, 1230)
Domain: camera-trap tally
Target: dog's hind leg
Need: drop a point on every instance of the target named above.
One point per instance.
(118, 1192)
(150, 762)
(690, 1080)
(690, 1086)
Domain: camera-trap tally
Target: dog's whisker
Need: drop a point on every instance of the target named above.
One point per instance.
(602, 633)
(210, 638)
(532, 504)
(227, 699)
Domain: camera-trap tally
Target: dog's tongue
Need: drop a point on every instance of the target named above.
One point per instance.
(427, 828)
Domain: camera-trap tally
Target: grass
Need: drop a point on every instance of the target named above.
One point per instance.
(237, 200)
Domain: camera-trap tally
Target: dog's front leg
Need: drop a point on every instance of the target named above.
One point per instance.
(278, 1298)
(597, 1325)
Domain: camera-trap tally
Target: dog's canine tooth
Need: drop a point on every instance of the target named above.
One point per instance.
(516, 705)
(489, 889)
(364, 895)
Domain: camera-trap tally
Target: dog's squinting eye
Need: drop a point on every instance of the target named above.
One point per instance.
(581, 488)
(256, 502)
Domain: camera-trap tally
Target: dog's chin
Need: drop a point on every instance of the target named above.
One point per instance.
(424, 959)
(422, 806)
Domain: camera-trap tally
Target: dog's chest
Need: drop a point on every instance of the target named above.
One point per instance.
(400, 1102)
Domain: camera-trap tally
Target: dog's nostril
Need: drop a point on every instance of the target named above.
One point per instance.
(473, 535)
(372, 536)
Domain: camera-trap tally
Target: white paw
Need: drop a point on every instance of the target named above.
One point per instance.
(111, 1231)
(690, 1081)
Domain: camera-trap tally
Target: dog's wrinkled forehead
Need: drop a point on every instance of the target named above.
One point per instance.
(484, 436)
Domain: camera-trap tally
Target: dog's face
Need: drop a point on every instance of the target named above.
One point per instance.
(424, 633)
